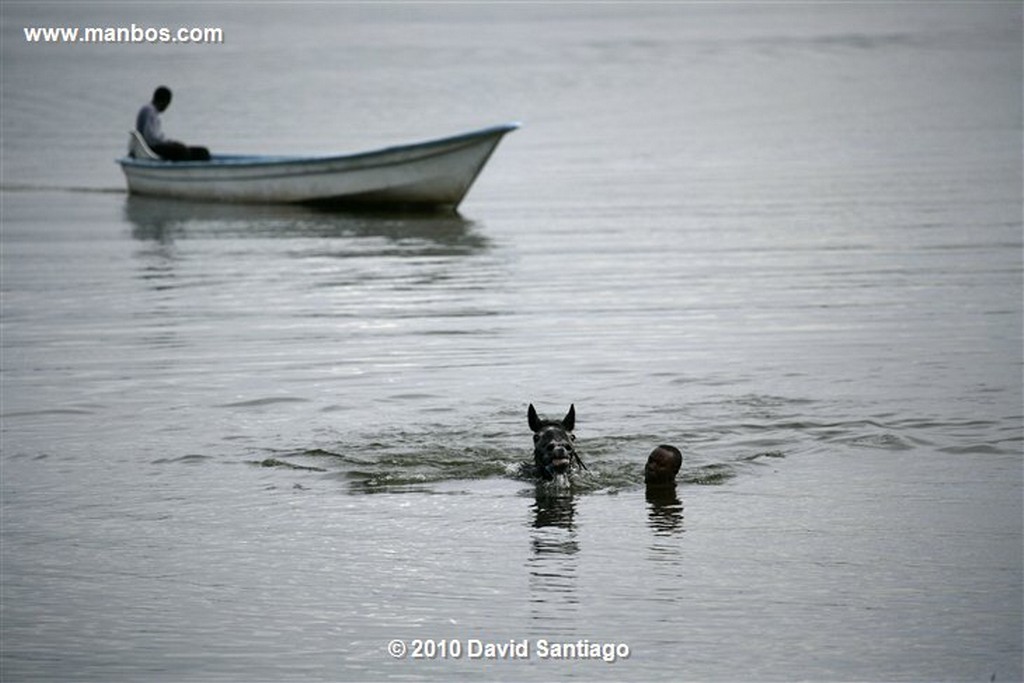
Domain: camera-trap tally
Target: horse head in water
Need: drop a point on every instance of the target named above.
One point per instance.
(554, 450)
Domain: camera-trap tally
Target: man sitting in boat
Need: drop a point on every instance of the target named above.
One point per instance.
(147, 123)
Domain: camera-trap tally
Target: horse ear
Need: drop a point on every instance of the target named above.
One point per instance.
(532, 419)
(569, 421)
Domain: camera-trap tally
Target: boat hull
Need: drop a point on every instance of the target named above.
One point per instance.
(435, 174)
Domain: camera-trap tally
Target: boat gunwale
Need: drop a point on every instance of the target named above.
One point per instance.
(302, 167)
(242, 161)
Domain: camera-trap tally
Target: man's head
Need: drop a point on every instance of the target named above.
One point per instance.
(662, 466)
(161, 98)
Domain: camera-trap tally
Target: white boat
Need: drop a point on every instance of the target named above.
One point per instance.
(433, 174)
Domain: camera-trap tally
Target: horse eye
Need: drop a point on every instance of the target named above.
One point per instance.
(536, 438)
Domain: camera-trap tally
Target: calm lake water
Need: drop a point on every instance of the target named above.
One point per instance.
(258, 443)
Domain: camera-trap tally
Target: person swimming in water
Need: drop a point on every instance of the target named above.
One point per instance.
(662, 466)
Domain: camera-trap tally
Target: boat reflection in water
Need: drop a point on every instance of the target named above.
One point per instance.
(412, 234)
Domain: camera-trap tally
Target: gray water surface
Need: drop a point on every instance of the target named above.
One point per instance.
(260, 443)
